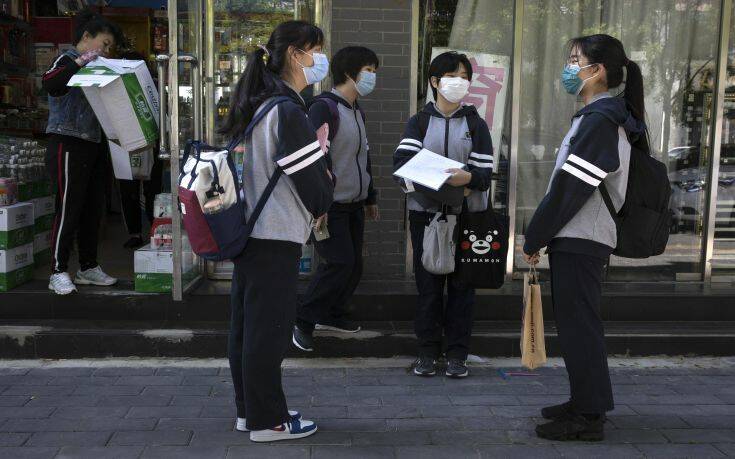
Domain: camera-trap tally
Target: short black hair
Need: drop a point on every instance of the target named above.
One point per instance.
(349, 61)
(446, 63)
(94, 23)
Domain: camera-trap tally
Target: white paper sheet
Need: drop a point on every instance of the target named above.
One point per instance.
(120, 162)
(428, 168)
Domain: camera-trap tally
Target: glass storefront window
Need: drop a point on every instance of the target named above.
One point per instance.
(674, 42)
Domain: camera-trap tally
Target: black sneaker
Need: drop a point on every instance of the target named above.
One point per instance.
(424, 366)
(337, 325)
(457, 368)
(302, 340)
(557, 411)
(573, 428)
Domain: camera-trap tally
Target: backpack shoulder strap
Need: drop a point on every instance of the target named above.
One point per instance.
(256, 119)
(609, 204)
(329, 99)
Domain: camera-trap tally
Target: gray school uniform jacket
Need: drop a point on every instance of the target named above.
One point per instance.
(349, 153)
(572, 217)
(464, 137)
(285, 138)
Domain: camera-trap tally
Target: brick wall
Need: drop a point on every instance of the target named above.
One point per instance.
(385, 27)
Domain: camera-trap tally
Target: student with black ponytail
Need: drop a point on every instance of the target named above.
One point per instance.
(75, 156)
(573, 222)
(265, 276)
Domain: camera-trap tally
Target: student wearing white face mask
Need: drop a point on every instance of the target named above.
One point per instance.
(325, 304)
(449, 128)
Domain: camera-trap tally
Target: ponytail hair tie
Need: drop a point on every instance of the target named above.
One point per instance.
(265, 50)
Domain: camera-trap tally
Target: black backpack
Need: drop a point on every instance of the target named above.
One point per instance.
(332, 102)
(644, 221)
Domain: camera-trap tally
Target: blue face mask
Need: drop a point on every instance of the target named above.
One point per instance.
(366, 83)
(573, 84)
(318, 71)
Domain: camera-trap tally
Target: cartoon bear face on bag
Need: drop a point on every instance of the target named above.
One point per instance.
(480, 246)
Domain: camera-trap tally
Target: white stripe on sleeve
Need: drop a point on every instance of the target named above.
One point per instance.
(581, 175)
(479, 164)
(298, 154)
(408, 147)
(587, 166)
(481, 156)
(412, 142)
(305, 163)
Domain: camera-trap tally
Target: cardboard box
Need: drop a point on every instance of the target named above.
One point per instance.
(16, 266)
(124, 99)
(46, 53)
(16, 225)
(154, 268)
(43, 206)
(44, 223)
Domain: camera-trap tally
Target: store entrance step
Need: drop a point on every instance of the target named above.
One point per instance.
(51, 339)
(374, 300)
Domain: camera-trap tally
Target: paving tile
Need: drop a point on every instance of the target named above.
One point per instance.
(198, 380)
(366, 391)
(344, 400)
(149, 381)
(108, 390)
(86, 412)
(647, 422)
(63, 400)
(351, 452)
(715, 410)
(14, 371)
(152, 438)
(164, 412)
(198, 424)
(255, 451)
(436, 452)
(673, 410)
(55, 372)
(26, 452)
(599, 450)
(83, 381)
(69, 439)
(232, 437)
(13, 400)
(631, 436)
(329, 439)
(37, 391)
(124, 371)
(498, 423)
(390, 438)
(483, 400)
(710, 422)
(489, 437)
(727, 448)
(135, 400)
(24, 380)
(27, 412)
(229, 412)
(424, 424)
(13, 439)
(99, 452)
(186, 371)
(183, 452)
(496, 451)
(175, 390)
(352, 425)
(416, 400)
(465, 411)
(679, 451)
(79, 425)
(699, 435)
(385, 412)
(197, 400)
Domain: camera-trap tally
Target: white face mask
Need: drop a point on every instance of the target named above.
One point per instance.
(453, 88)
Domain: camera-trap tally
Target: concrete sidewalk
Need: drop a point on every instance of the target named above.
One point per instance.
(364, 408)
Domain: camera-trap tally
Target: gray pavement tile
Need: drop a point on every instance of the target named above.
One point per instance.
(318, 412)
(424, 424)
(60, 439)
(79, 425)
(184, 452)
(163, 412)
(198, 400)
(598, 450)
(324, 372)
(725, 380)
(521, 411)
(351, 425)
(699, 389)
(647, 422)
(410, 380)
(198, 424)
(202, 438)
(727, 398)
(727, 448)
(13, 400)
(211, 380)
(691, 399)
(23, 380)
(135, 400)
(228, 412)
(124, 371)
(25, 452)
(54, 372)
(464, 411)
(83, 380)
(679, 451)
(108, 390)
(38, 390)
(505, 451)
(499, 423)
(647, 389)
(385, 412)
(714, 410)
(673, 410)
(390, 438)
(256, 451)
(366, 391)
(149, 381)
(710, 421)
(665, 379)
(6, 371)
(152, 438)
(315, 390)
(416, 400)
(85, 412)
(175, 390)
(100, 452)
(27, 412)
(329, 438)
(187, 371)
(699, 435)
(13, 439)
(483, 400)
(352, 452)
(63, 400)
(631, 436)
(436, 452)
(362, 381)
(485, 437)
(344, 400)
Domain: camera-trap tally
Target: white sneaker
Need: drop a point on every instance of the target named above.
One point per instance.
(240, 424)
(288, 431)
(94, 276)
(61, 284)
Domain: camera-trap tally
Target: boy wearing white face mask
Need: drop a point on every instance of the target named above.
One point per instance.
(449, 128)
(325, 303)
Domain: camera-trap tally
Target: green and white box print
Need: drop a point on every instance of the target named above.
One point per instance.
(16, 225)
(16, 266)
(124, 99)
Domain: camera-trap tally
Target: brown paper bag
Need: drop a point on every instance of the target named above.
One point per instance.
(533, 346)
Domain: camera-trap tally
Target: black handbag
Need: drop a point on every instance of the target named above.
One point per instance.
(482, 249)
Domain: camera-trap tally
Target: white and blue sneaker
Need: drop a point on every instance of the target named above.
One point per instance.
(287, 431)
(240, 424)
